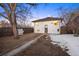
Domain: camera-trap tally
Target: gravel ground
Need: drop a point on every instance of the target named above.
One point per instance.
(9, 43)
(43, 47)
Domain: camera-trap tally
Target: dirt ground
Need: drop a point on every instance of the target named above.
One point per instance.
(9, 43)
(43, 47)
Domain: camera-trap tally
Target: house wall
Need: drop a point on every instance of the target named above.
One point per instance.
(39, 27)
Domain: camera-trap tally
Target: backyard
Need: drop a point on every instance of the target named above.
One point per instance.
(25, 32)
(43, 47)
(9, 43)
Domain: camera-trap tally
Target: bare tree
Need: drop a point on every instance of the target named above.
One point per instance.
(69, 18)
(12, 11)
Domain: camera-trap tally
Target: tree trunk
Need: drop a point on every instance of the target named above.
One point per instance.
(14, 26)
(14, 30)
(77, 31)
(73, 31)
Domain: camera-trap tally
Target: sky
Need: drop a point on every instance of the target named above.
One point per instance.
(43, 10)
(51, 9)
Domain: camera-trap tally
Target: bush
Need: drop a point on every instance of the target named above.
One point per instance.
(66, 30)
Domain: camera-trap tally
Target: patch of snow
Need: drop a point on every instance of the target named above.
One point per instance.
(67, 41)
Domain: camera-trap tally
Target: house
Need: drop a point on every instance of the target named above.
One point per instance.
(47, 25)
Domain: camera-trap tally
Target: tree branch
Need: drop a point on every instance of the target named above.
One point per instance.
(3, 16)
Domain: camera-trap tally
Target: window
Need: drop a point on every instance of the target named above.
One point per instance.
(55, 23)
(46, 26)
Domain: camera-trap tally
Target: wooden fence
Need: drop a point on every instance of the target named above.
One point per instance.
(8, 31)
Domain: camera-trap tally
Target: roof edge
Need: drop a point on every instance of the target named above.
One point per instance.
(48, 19)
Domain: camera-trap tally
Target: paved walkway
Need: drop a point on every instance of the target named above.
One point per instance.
(67, 41)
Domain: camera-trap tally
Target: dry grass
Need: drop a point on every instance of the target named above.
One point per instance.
(43, 47)
(9, 43)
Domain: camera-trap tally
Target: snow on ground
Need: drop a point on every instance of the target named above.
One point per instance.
(67, 41)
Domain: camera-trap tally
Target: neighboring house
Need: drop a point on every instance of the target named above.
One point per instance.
(47, 25)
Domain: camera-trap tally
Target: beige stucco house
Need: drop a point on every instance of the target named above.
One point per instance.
(47, 25)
